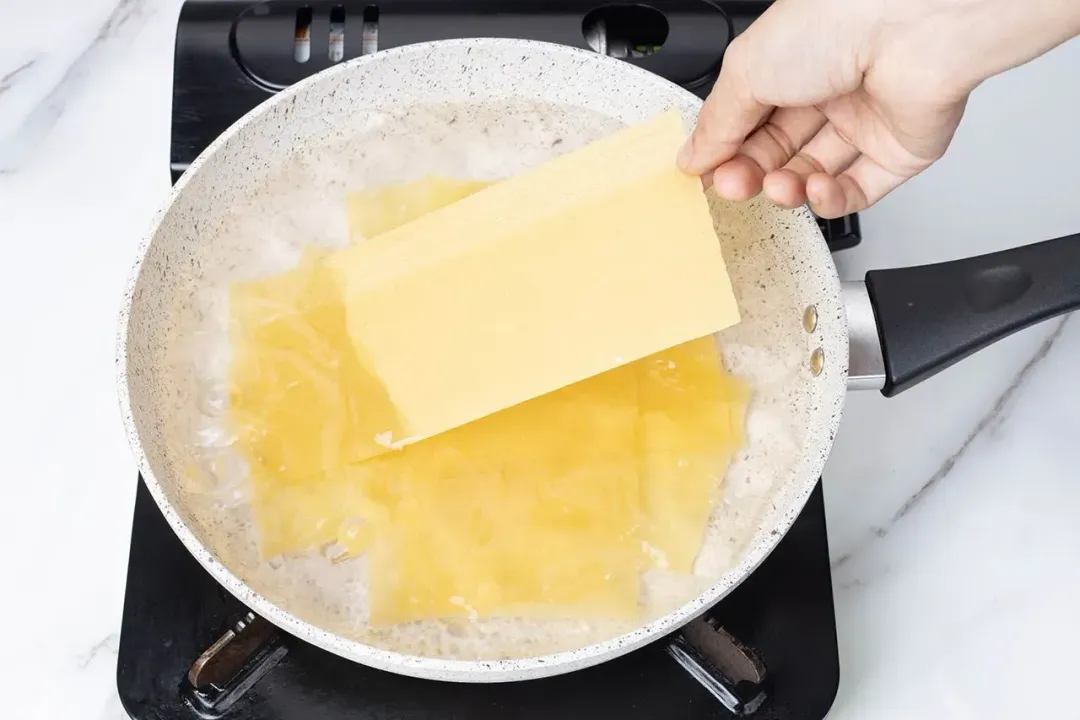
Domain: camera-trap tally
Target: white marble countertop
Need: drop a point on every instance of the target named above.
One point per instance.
(952, 508)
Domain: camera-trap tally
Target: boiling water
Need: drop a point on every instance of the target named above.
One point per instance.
(303, 203)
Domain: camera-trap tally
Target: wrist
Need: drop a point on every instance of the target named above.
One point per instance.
(1011, 33)
(973, 40)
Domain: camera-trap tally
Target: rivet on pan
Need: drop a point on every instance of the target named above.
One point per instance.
(809, 319)
(817, 361)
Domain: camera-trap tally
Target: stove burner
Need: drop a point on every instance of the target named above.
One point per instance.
(190, 650)
(175, 664)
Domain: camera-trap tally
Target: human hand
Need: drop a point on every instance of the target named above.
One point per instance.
(838, 102)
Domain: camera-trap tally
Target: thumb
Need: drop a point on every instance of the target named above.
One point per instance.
(730, 114)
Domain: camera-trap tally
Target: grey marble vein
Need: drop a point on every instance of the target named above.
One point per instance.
(126, 17)
(8, 80)
(988, 425)
(108, 644)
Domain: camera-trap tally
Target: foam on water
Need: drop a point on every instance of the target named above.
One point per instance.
(303, 203)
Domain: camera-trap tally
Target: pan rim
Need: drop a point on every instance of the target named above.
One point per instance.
(478, 671)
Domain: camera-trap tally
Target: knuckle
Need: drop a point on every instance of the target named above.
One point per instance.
(783, 143)
(808, 163)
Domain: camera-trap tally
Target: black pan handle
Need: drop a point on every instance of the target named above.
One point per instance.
(932, 316)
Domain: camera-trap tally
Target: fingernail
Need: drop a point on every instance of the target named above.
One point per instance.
(812, 197)
(686, 154)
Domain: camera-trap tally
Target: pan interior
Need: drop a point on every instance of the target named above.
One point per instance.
(277, 183)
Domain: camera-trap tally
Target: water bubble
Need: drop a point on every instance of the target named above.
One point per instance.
(213, 399)
(211, 436)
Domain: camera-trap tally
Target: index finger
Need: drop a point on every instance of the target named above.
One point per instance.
(730, 114)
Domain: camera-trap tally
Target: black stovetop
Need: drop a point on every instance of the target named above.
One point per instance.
(190, 650)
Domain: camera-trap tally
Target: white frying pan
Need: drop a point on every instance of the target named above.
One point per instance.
(488, 108)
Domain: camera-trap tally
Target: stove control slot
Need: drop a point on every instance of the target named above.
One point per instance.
(336, 42)
(369, 30)
(231, 666)
(729, 670)
(626, 31)
(302, 35)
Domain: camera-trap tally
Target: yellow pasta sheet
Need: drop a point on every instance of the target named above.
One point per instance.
(595, 259)
(551, 508)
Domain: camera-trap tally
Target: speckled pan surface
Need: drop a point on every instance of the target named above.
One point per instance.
(398, 115)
